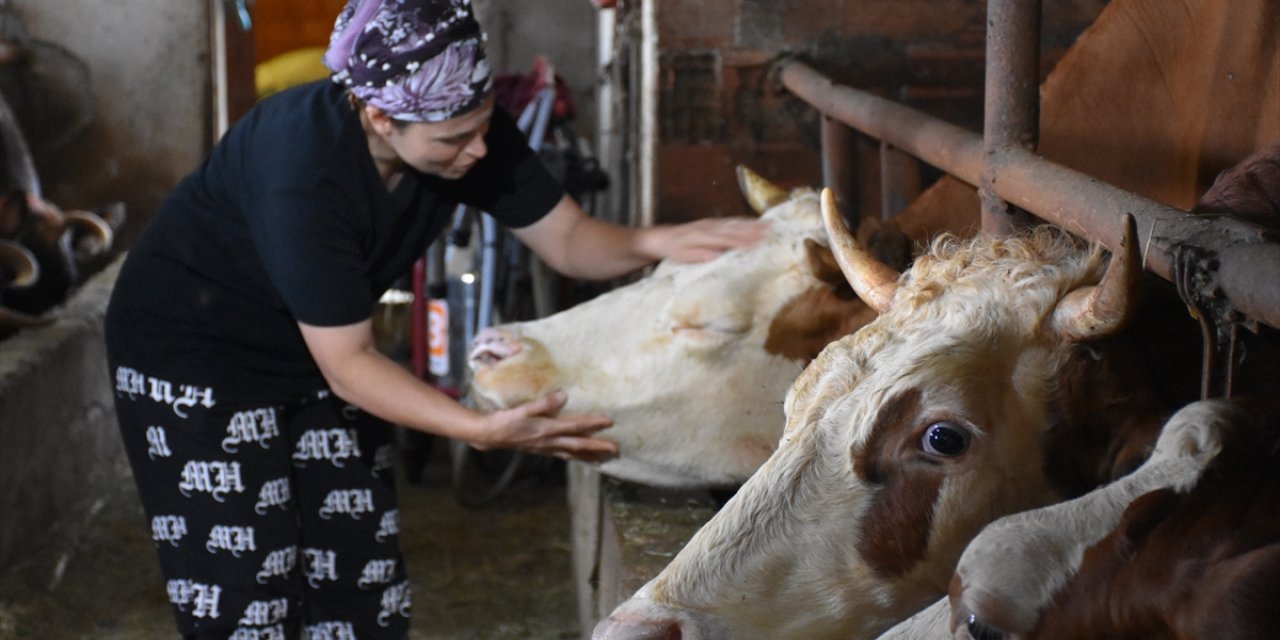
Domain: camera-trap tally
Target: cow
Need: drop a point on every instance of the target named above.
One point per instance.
(996, 379)
(1018, 566)
(42, 247)
(1199, 564)
(1188, 547)
(1192, 531)
(692, 361)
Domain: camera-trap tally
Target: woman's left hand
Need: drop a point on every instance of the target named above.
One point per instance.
(703, 240)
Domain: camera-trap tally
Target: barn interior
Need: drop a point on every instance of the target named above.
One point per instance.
(906, 109)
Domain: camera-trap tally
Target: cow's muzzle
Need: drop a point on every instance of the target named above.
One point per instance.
(618, 628)
(491, 346)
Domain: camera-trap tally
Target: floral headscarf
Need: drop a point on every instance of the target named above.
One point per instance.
(417, 60)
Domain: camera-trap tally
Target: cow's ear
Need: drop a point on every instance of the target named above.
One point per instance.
(821, 262)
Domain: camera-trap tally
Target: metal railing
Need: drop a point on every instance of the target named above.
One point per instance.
(1247, 261)
(1225, 268)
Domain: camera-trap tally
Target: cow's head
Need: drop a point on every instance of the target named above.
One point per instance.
(901, 442)
(1185, 547)
(693, 361)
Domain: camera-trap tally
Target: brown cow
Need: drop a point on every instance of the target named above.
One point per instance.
(1205, 564)
(1157, 97)
(1187, 547)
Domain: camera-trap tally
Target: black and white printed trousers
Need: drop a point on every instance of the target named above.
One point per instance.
(271, 521)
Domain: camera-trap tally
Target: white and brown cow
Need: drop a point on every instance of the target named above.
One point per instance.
(1187, 546)
(693, 361)
(1204, 563)
(989, 384)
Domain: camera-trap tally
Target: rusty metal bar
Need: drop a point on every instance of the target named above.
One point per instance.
(839, 173)
(939, 143)
(1011, 109)
(899, 180)
(1248, 264)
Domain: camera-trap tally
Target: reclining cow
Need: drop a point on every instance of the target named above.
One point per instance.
(996, 379)
(691, 362)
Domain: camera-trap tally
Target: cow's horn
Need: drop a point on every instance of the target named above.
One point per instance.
(760, 193)
(92, 234)
(1098, 311)
(873, 281)
(18, 268)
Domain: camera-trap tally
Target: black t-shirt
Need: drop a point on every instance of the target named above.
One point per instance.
(287, 220)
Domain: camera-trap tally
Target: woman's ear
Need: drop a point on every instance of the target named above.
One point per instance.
(378, 120)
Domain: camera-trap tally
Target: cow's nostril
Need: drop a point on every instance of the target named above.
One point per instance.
(624, 629)
(482, 355)
(491, 346)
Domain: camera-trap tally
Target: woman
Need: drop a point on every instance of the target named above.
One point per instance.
(253, 403)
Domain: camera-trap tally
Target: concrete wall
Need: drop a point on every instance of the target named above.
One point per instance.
(148, 64)
(149, 75)
(58, 435)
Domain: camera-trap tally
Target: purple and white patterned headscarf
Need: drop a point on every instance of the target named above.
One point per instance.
(417, 60)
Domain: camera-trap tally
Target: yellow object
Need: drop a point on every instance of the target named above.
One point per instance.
(288, 69)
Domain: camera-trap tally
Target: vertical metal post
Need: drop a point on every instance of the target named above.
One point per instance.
(838, 170)
(899, 180)
(646, 189)
(1011, 115)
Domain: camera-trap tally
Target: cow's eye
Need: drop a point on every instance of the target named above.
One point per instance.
(713, 328)
(979, 630)
(945, 439)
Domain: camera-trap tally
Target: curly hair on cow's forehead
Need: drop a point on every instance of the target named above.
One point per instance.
(962, 290)
(1042, 257)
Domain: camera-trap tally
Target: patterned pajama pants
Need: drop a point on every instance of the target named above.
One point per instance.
(269, 519)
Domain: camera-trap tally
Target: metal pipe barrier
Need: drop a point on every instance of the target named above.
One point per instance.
(1232, 265)
(1011, 104)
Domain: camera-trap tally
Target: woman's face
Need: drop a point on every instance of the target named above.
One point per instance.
(447, 149)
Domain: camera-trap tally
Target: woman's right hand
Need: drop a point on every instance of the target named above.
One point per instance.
(537, 427)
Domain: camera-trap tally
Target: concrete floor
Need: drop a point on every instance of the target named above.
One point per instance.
(497, 572)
